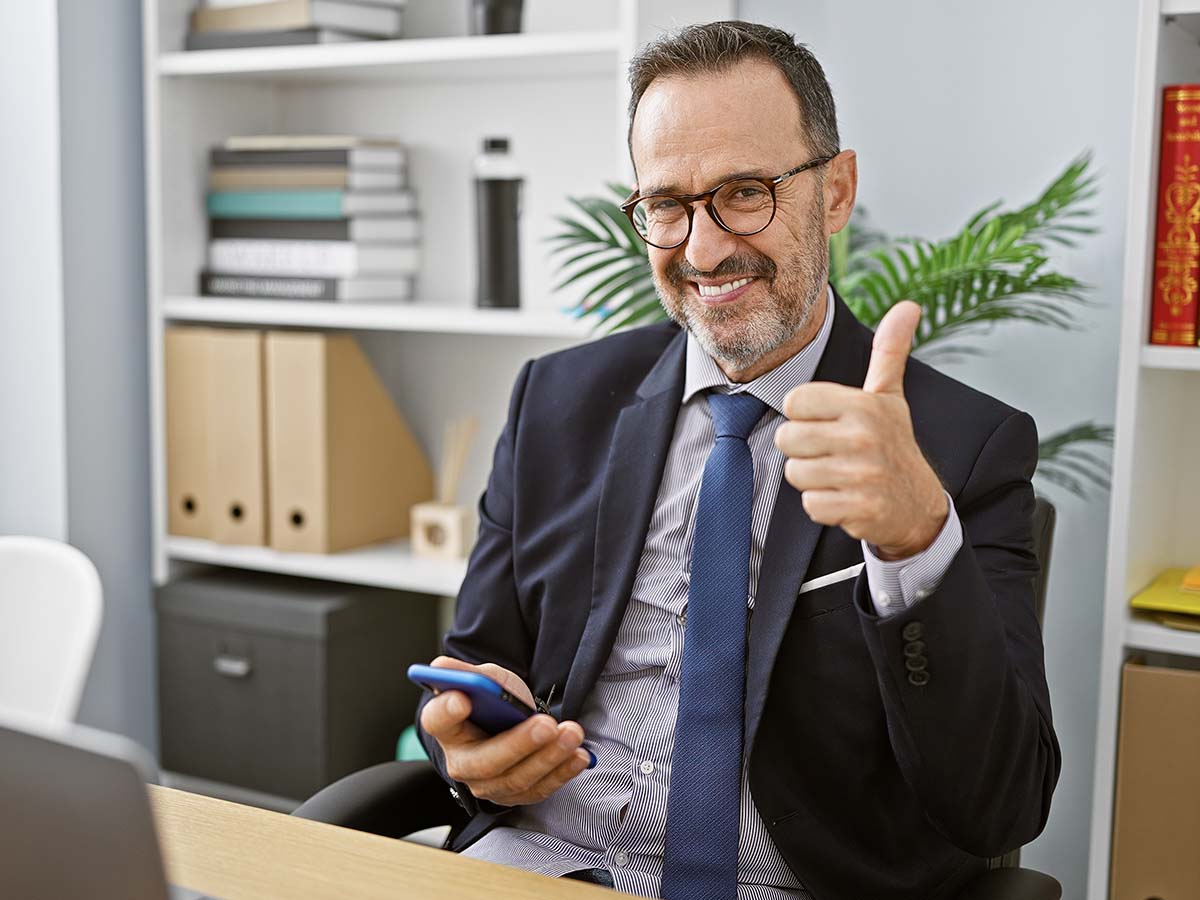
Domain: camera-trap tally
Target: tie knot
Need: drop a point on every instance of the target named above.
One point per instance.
(734, 415)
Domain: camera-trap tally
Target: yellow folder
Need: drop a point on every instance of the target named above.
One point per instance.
(185, 380)
(344, 467)
(236, 442)
(1167, 594)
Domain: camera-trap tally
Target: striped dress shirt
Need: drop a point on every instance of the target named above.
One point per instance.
(613, 816)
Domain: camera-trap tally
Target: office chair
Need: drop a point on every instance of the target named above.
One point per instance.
(50, 608)
(396, 799)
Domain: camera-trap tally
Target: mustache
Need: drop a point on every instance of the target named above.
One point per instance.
(681, 270)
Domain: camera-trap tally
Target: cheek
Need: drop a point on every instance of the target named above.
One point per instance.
(660, 262)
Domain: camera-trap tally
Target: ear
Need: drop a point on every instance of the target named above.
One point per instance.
(841, 187)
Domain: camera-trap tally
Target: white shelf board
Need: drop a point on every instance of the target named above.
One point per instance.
(450, 58)
(1185, 358)
(377, 317)
(389, 564)
(1144, 635)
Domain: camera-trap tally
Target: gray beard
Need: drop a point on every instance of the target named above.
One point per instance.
(792, 297)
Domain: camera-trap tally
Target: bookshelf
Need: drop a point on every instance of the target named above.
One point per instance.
(1156, 485)
(558, 90)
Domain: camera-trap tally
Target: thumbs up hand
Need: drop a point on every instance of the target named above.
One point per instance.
(852, 454)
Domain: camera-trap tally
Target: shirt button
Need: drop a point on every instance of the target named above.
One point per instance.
(621, 858)
(681, 618)
(921, 595)
(647, 767)
(885, 598)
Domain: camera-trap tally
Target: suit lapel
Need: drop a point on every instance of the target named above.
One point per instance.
(792, 535)
(635, 465)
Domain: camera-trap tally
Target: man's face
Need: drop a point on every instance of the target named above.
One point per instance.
(691, 134)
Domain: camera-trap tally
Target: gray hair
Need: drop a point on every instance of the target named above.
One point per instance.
(718, 46)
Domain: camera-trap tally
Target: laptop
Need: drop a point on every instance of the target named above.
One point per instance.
(75, 818)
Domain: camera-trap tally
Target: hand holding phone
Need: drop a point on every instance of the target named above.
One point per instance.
(521, 765)
(493, 708)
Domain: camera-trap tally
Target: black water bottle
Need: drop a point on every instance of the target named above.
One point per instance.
(497, 212)
(495, 16)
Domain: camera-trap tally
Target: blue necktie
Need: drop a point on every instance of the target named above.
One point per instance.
(700, 861)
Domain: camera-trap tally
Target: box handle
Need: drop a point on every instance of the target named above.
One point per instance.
(232, 666)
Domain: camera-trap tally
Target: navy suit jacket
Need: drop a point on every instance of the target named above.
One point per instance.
(871, 783)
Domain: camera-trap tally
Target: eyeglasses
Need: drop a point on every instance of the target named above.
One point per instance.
(740, 206)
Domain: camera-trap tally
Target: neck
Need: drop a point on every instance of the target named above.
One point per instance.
(783, 352)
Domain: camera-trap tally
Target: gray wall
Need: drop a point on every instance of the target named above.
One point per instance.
(951, 105)
(74, 456)
(104, 299)
(32, 421)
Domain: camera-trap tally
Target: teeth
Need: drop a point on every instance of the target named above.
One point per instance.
(714, 290)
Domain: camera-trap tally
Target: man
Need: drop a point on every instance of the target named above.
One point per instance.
(776, 578)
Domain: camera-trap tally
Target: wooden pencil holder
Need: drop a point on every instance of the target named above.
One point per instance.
(440, 530)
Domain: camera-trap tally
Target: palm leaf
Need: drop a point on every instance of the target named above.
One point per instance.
(1063, 462)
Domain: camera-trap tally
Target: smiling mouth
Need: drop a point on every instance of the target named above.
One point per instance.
(726, 289)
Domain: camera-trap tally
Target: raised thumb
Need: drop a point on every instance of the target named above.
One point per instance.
(889, 351)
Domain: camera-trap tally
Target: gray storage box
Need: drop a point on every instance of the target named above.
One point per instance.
(283, 684)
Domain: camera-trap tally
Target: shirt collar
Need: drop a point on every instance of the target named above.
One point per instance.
(702, 373)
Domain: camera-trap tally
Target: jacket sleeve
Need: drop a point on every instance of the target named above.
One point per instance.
(961, 671)
(488, 622)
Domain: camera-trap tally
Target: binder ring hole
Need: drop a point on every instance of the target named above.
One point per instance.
(435, 534)
(189, 505)
(297, 518)
(236, 511)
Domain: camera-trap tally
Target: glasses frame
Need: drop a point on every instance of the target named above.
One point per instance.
(689, 200)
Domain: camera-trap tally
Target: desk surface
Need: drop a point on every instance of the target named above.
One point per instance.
(238, 852)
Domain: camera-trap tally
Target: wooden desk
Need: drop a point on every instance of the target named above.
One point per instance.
(238, 852)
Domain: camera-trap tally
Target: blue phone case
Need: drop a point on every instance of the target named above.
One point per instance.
(493, 708)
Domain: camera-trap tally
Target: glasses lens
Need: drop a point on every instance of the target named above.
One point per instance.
(744, 206)
(661, 221)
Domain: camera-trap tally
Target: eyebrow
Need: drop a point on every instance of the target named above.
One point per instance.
(671, 189)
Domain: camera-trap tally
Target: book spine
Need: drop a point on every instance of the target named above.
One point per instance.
(1177, 235)
(275, 204)
(213, 284)
(316, 259)
(282, 229)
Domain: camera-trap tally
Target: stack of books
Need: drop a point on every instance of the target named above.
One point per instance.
(311, 217)
(222, 24)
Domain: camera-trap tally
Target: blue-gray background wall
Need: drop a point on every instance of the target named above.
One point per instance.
(951, 105)
(104, 300)
(74, 447)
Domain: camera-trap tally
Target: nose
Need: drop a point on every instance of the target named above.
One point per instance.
(709, 244)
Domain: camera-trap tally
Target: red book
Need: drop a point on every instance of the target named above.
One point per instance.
(1177, 238)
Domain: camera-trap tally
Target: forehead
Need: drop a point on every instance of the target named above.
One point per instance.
(690, 132)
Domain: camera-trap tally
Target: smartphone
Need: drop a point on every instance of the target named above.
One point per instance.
(493, 709)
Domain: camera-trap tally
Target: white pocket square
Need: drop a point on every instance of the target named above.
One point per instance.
(832, 578)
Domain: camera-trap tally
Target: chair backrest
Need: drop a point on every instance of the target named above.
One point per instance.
(50, 609)
(1044, 516)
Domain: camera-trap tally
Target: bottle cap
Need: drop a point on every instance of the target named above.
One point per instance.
(495, 145)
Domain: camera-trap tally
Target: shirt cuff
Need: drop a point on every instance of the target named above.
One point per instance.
(897, 584)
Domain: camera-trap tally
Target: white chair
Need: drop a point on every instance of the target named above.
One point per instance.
(50, 608)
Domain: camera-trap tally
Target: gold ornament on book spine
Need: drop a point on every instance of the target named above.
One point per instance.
(1177, 255)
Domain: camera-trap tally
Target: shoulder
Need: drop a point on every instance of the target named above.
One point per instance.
(619, 361)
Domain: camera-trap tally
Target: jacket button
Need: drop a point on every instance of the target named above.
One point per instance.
(914, 648)
(919, 679)
(916, 663)
(913, 631)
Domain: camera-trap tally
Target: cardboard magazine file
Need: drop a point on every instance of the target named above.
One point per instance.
(236, 443)
(1156, 817)
(344, 468)
(185, 381)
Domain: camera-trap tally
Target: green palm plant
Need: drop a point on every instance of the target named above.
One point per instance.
(995, 269)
